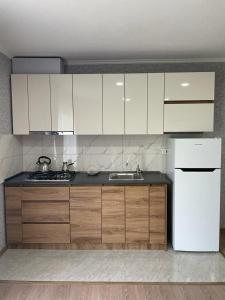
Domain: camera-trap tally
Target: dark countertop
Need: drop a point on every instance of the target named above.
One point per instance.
(82, 178)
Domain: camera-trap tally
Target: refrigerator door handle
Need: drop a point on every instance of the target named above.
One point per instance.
(198, 169)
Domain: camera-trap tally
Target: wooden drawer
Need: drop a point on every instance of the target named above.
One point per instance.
(45, 193)
(13, 205)
(85, 214)
(14, 233)
(113, 214)
(45, 211)
(158, 214)
(46, 233)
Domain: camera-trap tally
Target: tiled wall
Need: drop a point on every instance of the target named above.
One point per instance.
(104, 153)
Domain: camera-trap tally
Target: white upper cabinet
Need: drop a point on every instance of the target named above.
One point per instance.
(20, 104)
(61, 102)
(136, 90)
(39, 102)
(189, 86)
(113, 103)
(87, 97)
(196, 117)
(155, 103)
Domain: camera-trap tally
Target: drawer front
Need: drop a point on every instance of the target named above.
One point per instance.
(13, 205)
(45, 211)
(45, 193)
(46, 233)
(189, 86)
(188, 117)
(85, 214)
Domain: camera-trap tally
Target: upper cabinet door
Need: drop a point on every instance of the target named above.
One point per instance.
(155, 103)
(87, 97)
(62, 102)
(136, 103)
(39, 102)
(113, 104)
(20, 104)
(189, 86)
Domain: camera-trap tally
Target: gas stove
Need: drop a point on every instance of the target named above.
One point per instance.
(51, 176)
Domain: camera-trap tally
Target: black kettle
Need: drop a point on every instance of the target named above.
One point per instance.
(43, 164)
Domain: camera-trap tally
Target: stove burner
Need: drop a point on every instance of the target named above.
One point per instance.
(51, 176)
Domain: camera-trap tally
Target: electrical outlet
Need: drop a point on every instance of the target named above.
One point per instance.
(163, 151)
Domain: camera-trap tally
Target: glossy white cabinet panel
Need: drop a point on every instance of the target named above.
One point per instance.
(136, 90)
(155, 103)
(189, 86)
(87, 98)
(113, 103)
(39, 102)
(188, 117)
(62, 102)
(20, 104)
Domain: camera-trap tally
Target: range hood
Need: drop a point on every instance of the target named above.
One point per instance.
(52, 132)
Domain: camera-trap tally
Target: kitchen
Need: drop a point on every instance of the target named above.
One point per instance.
(87, 175)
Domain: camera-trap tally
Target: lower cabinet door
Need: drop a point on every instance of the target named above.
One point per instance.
(137, 214)
(85, 214)
(158, 213)
(113, 214)
(46, 233)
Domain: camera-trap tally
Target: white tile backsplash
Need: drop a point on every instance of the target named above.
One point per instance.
(102, 153)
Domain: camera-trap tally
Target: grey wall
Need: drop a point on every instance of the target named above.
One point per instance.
(5, 102)
(10, 146)
(219, 68)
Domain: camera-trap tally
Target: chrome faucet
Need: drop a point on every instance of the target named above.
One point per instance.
(138, 170)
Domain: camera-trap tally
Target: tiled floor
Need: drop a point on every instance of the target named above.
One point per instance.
(111, 266)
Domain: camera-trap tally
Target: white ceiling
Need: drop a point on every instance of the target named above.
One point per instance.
(113, 29)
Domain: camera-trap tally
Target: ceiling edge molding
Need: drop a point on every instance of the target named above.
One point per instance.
(141, 61)
(5, 52)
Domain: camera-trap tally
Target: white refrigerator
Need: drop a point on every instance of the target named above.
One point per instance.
(194, 166)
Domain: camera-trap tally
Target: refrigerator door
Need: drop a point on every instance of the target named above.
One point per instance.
(196, 210)
(197, 153)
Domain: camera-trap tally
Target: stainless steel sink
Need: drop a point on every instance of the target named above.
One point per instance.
(126, 176)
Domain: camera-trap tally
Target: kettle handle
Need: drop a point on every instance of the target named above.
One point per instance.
(44, 157)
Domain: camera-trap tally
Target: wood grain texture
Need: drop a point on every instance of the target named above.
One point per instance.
(110, 291)
(46, 233)
(158, 214)
(45, 193)
(137, 213)
(85, 213)
(45, 211)
(14, 233)
(13, 205)
(113, 214)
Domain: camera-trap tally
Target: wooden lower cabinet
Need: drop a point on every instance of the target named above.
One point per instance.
(13, 214)
(113, 214)
(46, 233)
(158, 215)
(137, 214)
(88, 217)
(85, 214)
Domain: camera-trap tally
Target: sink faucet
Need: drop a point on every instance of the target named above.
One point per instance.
(138, 170)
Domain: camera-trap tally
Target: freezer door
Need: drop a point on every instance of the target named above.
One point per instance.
(196, 210)
(197, 153)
